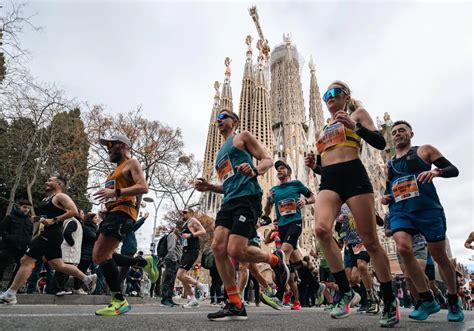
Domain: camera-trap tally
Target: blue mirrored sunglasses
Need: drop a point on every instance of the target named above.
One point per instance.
(223, 116)
(332, 93)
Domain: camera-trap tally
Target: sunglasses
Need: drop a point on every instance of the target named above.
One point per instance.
(333, 92)
(224, 116)
(110, 144)
(185, 211)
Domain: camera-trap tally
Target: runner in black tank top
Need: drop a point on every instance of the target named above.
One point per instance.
(53, 211)
(190, 233)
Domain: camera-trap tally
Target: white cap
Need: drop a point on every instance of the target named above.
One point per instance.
(116, 137)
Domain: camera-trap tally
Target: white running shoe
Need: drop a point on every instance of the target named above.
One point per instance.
(193, 303)
(79, 292)
(7, 299)
(90, 288)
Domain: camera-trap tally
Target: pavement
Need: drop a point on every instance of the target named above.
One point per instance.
(152, 317)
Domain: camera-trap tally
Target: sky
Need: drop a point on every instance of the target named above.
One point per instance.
(410, 59)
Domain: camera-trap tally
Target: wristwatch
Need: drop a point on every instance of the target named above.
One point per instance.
(255, 171)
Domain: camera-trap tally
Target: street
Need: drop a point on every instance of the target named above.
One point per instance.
(144, 317)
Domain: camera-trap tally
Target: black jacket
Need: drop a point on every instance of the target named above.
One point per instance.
(89, 236)
(16, 230)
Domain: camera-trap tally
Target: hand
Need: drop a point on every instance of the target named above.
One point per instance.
(201, 185)
(385, 200)
(146, 215)
(48, 222)
(104, 194)
(35, 219)
(427, 176)
(245, 169)
(310, 160)
(186, 235)
(300, 204)
(344, 118)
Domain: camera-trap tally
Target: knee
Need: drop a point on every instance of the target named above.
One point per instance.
(323, 232)
(372, 245)
(235, 252)
(405, 250)
(218, 248)
(362, 268)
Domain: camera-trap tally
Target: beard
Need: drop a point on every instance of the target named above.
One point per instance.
(116, 156)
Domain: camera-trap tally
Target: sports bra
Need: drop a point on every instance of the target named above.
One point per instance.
(336, 135)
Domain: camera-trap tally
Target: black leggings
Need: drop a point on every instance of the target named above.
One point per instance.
(216, 286)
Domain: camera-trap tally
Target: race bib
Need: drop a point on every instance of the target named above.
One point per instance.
(332, 135)
(405, 188)
(110, 184)
(287, 207)
(224, 168)
(358, 249)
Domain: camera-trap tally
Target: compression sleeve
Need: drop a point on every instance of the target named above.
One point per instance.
(70, 228)
(447, 168)
(373, 138)
(317, 169)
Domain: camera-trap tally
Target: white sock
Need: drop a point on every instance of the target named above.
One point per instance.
(10, 292)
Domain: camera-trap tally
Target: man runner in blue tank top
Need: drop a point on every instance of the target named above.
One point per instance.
(241, 207)
(415, 207)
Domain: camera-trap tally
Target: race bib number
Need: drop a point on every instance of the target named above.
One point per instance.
(358, 249)
(332, 135)
(224, 168)
(287, 207)
(405, 188)
(110, 184)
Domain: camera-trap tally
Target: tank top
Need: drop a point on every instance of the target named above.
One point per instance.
(409, 195)
(126, 204)
(48, 210)
(336, 135)
(235, 184)
(191, 243)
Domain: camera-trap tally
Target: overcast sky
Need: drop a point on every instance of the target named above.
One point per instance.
(411, 59)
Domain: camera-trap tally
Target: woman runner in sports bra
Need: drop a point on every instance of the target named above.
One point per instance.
(345, 180)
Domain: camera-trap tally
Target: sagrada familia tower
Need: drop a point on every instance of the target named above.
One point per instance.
(272, 108)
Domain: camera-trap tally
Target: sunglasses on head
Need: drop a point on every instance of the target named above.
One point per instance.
(223, 116)
(333, 92)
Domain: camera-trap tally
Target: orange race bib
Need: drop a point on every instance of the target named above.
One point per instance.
(110, 184)
(332, 135)
(224, 168)
(405, 188)
(287, 207)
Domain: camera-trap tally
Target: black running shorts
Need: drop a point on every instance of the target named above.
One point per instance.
(188, 259)
(48, 246)
(240, 215)
(116, 224)
(290, 233)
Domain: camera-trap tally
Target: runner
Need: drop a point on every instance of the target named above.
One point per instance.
(56, 208)
(240, 209)
(344, 179)
(191, 230)
(119, 196)
(415, 207)
(286, 197)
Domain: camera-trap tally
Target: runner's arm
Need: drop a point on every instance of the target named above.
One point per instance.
(196, 228)
(367, 130)
(202, 185)
(140, 187)
(68, 205)
(432, 155)
(257, 150)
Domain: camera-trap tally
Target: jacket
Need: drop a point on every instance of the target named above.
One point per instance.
(175, 250)
(129, 243)
(16, 230)
(89, 236)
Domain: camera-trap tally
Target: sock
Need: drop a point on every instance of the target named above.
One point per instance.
(234, 296)
(10, 292)
(341, 281)
(127, 261)
(117, 295)
(387, 292)
(452, 299)
(273, 260)
(111, 275)
(426, 296)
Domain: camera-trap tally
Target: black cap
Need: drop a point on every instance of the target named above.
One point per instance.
(282, 163)
(179, 223)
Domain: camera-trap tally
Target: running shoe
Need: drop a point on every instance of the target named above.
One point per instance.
(342, 309)
(455, 313)
(372, 307)
(390, 315)
(287, 298)
(296, 306)
(79, 292)
(168, 303)
(329, 307)
(192, 304)
(320, 294)
(200, 292)
(63, 292)
(423, 309)
(229, 313)
(116, 307)
(90, 288)
(7, 299)
(355, 299)
(151, 269)
(362, 309)
(282, 272)
(270, 300)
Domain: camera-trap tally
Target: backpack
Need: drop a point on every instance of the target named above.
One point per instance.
(207, 259)
(162, 248)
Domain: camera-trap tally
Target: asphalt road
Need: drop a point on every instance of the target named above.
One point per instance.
(153, 317)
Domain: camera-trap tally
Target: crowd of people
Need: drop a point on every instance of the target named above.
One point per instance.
(354, 269)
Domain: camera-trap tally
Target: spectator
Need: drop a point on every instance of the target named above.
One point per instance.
(89, 236)
(134, 278)
(16, 230)
(171, 263)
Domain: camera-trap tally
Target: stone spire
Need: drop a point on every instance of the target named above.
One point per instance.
(226, 100)
(315, 106)
(247, 92)
(214, 139)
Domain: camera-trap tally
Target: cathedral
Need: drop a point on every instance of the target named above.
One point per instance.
(271, 107)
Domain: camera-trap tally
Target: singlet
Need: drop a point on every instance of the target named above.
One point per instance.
(336, 135)
(285, 197)
(407, 194)
(191, 243)
(235, 184)
(126, 204)
(47, 209)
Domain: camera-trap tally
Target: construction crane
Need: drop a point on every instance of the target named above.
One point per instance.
(263, 43)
